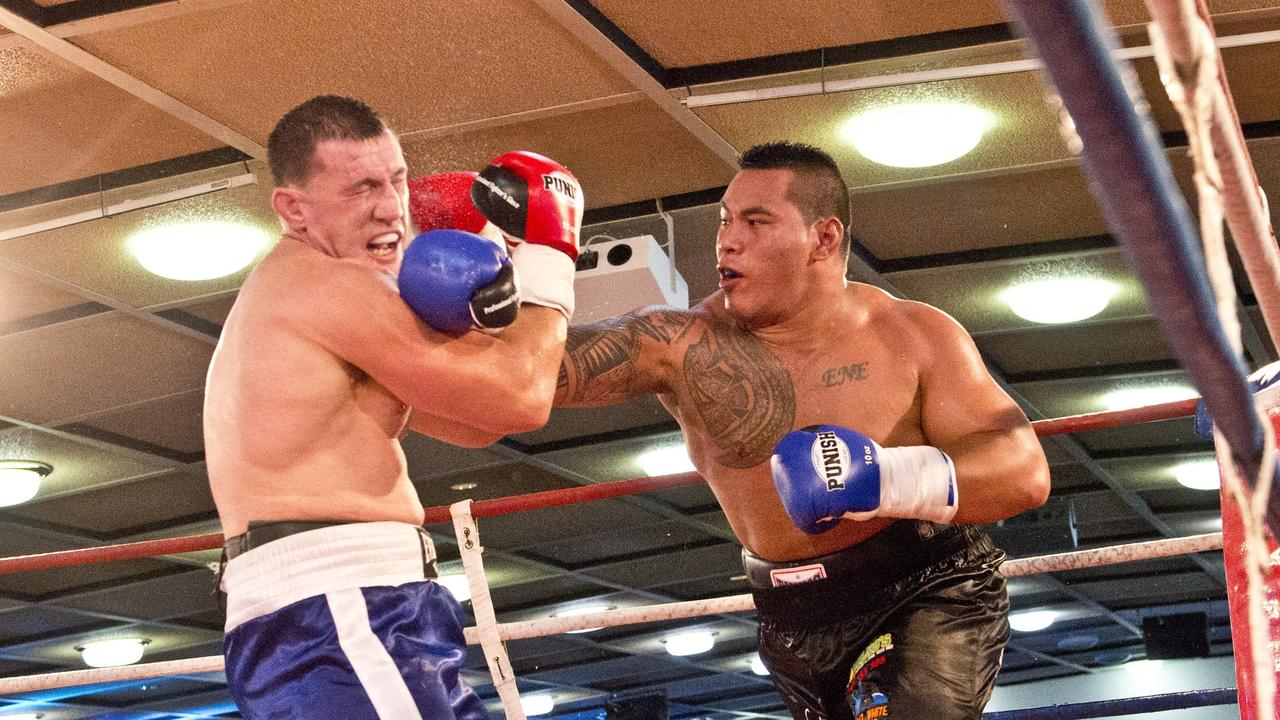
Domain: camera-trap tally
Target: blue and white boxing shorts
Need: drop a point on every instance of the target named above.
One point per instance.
(341, 622)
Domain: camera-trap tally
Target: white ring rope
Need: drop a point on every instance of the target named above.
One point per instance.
(1095, 557)
(1189, 68)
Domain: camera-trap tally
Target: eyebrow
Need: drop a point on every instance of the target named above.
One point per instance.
(753, 210)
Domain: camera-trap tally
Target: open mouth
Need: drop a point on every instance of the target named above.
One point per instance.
(384, 246)
(728, 275)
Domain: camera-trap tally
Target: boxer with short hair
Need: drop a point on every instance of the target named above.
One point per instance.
(853, 440)
(339, 342)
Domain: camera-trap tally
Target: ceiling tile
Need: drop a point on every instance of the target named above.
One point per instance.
(64, 124)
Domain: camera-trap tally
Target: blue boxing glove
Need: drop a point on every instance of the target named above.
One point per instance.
(826, 472)
(458, 281)
(1261, 379)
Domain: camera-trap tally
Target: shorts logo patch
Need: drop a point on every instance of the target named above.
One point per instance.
(867, 702)
(797, 575)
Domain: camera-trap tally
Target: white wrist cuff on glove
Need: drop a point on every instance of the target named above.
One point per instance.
(916, 482)
(546, 276)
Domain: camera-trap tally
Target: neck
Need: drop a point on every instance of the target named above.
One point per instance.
(823, 307)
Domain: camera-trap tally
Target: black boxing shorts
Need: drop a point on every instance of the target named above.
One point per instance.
(909, 623)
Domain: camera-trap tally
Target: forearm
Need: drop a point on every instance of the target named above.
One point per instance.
(998, 474)
(618, 359)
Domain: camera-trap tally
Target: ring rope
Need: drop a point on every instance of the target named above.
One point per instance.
(1187, 37)
(544, 499)
(1136, 190)
(1093, 557)
(1186, 53)
(1125, 706)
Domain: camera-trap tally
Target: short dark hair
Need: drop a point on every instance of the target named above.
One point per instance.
(292, 143)
(818, 189)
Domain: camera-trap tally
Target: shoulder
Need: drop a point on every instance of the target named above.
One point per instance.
(310, 289)
(929, 327)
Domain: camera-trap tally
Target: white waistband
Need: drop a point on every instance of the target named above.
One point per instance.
(266, 579)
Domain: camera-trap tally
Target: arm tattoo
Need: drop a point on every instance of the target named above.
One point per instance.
(743, 393)
(600, 360)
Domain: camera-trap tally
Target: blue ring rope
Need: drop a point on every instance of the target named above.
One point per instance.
(1133, 184)
(1127, 706)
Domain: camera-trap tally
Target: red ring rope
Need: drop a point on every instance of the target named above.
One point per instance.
(546, 498)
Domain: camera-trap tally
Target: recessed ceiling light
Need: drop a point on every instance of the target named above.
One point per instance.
(583, 610)
(464, 486)
(692, 642)
(1079, 642)
(1148, 668)
(113, 652)
(457, 585)
(20, 480)
(757, 665)
(665, 461)
(1054, 301)
(1198, 474)
(917, 134)
(197, 250)
(539, 704)
(1135, 397)
(1032, 620)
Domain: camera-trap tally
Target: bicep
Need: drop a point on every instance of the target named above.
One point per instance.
(451, 430)
(959, 396)
(618, 359)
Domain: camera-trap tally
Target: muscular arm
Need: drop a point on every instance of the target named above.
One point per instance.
(495, 384)
(620, 358)
(1000, 467)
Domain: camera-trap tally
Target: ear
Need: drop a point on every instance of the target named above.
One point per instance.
(287, 203)
(830, 236)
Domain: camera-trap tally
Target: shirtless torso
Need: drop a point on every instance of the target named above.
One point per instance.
(787, 342)
(321, 367)
(735, 394)
(303, 434)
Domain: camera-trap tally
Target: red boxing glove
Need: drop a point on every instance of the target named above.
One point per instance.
(443, 202)
(537, 204)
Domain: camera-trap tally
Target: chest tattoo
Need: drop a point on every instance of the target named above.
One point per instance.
(742, 392)
(836, 376)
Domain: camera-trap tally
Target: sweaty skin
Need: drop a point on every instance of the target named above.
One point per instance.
(787, 342)
(320, 362)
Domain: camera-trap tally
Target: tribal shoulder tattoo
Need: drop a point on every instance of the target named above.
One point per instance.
(740, 392)
(743, 393)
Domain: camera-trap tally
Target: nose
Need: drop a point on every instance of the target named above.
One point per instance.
(390, 203)
(726, 241)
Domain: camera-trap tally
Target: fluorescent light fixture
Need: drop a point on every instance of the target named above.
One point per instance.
(757, 665)
(20, 480)
(539, 704)
(692, 642)
(457, 585)
(113, 652)
(1135, 397)
(935, 75)
(1032, 620)
(1198, 474)
(583, 610)
(917, 134)
(1053, 301)
(197, 250)
(127, 205)
(460, 486)
(665, 461)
